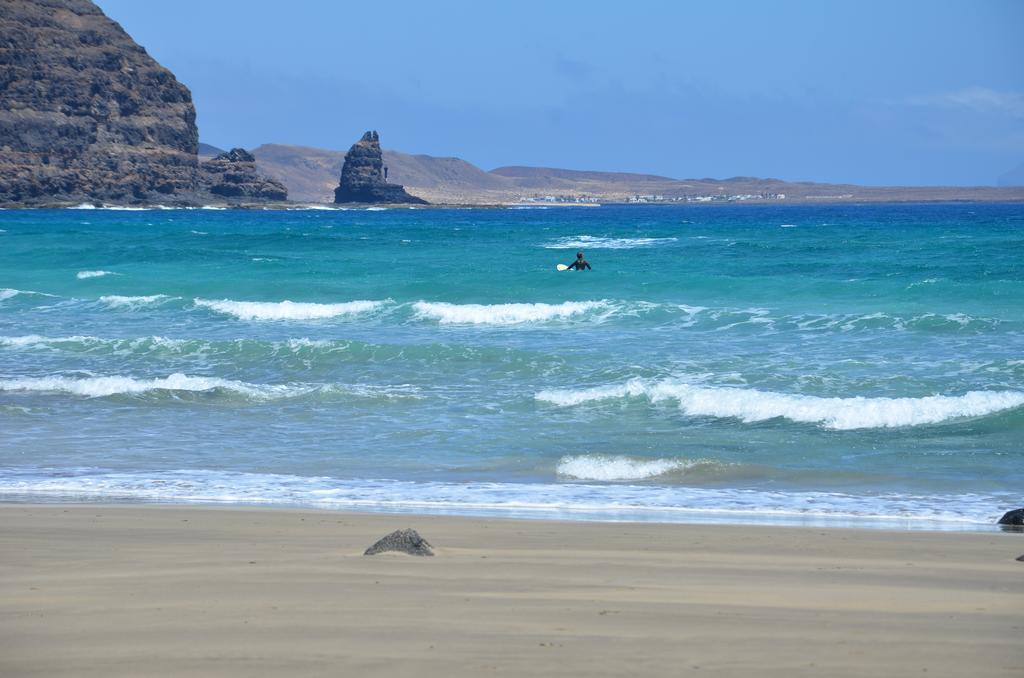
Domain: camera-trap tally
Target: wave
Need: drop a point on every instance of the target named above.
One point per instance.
(100, 387)
(130, 303)
(606, 468)
(83, 275)
(764, 319)
(750, 405)
(10, 293)
(103, 387)
(295, 354)
(286, 310)
(115, 208)
(506, 314)
(86, 344)
(577, 501)
(600, 243)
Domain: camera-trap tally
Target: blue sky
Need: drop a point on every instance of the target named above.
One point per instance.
(866, 92)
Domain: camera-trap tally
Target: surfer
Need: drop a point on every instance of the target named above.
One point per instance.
(580, 263)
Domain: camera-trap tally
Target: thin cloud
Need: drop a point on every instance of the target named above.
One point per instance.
(976, 99)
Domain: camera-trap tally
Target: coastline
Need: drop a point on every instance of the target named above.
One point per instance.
(1010, 196)
(197, 590)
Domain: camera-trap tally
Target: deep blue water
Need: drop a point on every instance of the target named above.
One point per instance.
(803, 364)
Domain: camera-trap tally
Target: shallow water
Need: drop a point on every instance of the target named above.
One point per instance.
(857, 364)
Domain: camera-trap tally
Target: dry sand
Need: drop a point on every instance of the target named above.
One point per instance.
(169, 591)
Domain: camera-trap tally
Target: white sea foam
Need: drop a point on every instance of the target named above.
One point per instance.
(99, 387)
(212, 207)
(83, 275)
(578, 501)
(505, 314)
(9, 293)
(27, 340)
(376, 209)
(750, 405)
(600, 243)
(287, 310)
(787, 225)
(607, 468)
(134, 303)
(114, 208)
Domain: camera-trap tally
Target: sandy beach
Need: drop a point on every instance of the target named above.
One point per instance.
(160, 590)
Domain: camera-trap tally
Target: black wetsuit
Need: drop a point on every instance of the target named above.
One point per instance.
(579, 265)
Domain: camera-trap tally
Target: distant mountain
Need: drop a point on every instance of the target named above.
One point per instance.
(1014, 177)
(206, 151)
(311, 175)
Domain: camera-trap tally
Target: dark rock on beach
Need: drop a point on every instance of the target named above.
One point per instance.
(403, 541)
(233, 176)
(1013, 518)
(363, 176)
(86, 114)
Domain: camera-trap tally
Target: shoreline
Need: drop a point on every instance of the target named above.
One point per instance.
(679, 516)
(188, 590)
(1016, 198)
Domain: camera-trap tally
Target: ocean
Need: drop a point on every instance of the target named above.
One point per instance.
(851, 365)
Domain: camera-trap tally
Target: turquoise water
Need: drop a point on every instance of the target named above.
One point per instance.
(809, 365)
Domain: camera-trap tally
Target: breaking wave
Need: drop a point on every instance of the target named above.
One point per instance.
(286, 310)
(599, 243)
(506, 314)
(750, 405)
(100, 387)
(83, 275)
(115, 208)
(134, 303)
(606, 468)
(103, 387)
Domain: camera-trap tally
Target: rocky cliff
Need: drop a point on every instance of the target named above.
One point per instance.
(86, 113)
(364, 177)
(233, 176)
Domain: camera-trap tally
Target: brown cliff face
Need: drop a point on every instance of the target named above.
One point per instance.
(86, 114)
(363, 177)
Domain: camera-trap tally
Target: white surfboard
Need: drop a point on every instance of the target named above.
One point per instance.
(561, 267)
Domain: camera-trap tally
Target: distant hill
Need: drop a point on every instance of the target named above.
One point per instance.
(311, 174)
(206, 151)
(1014, 177)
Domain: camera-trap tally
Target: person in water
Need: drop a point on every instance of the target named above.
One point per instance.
(580, 263)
